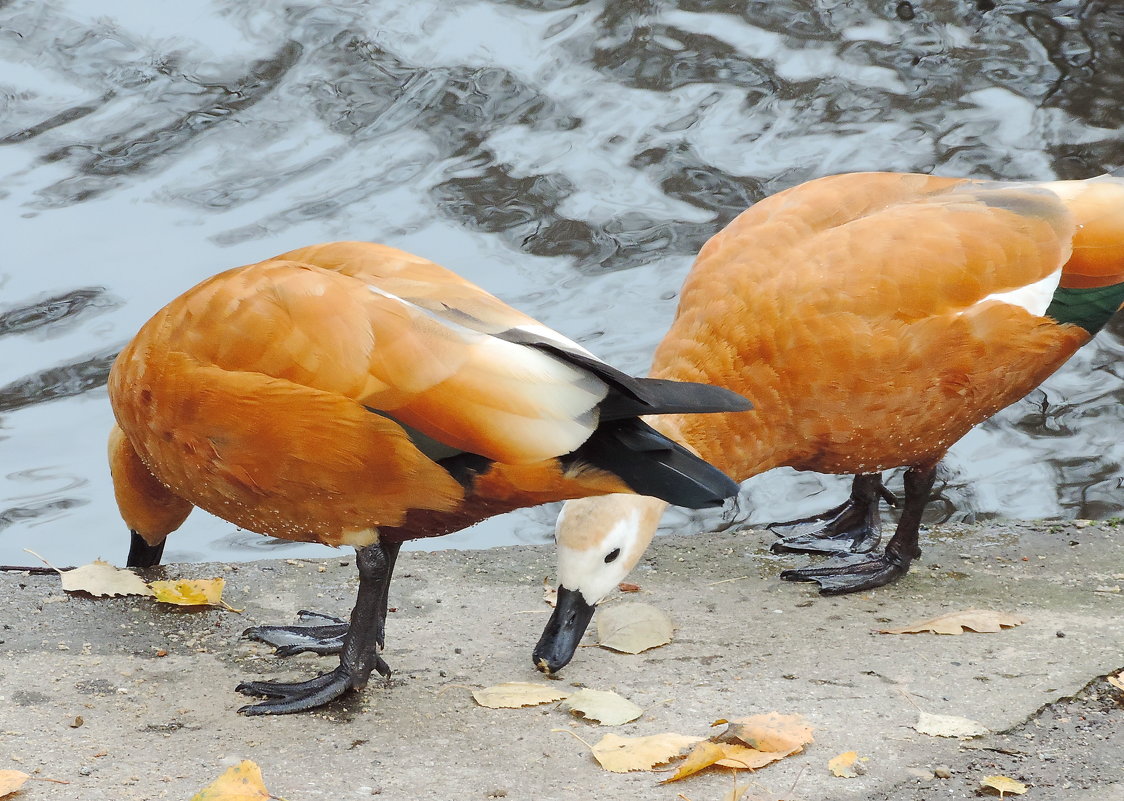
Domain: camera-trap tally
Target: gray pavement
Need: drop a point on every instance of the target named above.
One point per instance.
(154, 684)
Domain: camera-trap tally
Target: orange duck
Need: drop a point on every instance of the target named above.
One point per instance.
(354, 394)
(872, 319)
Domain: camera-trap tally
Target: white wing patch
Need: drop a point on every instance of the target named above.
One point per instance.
(1035, 298)
(554, 338)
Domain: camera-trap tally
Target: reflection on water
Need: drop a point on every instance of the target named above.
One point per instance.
(572, 156)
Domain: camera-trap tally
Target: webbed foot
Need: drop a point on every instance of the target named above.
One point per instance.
(318, 638)
(851, 527)
(849, 574)
(287, 697)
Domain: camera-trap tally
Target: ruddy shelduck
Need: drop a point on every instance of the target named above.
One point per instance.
(354, 394)
(872, 319)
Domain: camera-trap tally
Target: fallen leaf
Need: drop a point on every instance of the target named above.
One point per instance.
(549, 593)
(708, 753)
(516, 694)
(12, 780)
(1003, 784)
(103, 579)
(981, 620)
(771, 732)
(624, 754)
(243, 782)
(603, 706)
(1117, 681)
(627, 586)
(948, 726)
(191, 592)
(843, 765)
(633, 627)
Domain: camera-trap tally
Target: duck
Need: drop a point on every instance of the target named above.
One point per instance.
(354, 394)
(872, 319)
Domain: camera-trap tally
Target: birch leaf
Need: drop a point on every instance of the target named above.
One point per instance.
(11, 780)
(624, 754)
(516, 694)
(843, 765)
(1003, 784)
(103, 579)
(243, 782)
(549, 593)
(633, 627)
(708, 753)
(189, 592)
(1116, 681)
(948, 726)
(603, 706)
(771, 732)
(981, 620)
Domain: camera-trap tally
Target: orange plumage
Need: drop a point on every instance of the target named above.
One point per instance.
(355, 394)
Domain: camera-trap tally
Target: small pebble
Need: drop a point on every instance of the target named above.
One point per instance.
(942, 772)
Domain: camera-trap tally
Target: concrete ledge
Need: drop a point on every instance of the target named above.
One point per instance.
(163, 726)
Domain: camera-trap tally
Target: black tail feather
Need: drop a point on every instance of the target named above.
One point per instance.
(652, 464)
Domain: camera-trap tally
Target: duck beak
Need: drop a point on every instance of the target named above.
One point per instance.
(563, 631)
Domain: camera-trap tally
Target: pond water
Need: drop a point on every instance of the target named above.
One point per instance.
(569, 156)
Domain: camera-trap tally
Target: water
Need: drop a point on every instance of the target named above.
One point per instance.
(570, 156)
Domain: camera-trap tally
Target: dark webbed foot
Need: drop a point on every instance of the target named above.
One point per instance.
(851, 527)
(358, 650)
(315, 637)
(287, 697)
(852, 573)
(848, 574)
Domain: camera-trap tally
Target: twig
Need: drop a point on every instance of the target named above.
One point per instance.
(723, 581)
(34, 570)
(44, 779)
(798, 775)
(905, 695)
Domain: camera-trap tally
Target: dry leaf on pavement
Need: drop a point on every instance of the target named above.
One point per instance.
(243, 782)
(516, 694)
(549, 593)
(11, 780)
(843, 765)
(981, 620)
(771, 732)
(708, 753)
(1116, 681)
(103, 579)
(1003, 784)
(191, 592)
(948, 726)
(633, 627)
(624, 754)
(603, 706)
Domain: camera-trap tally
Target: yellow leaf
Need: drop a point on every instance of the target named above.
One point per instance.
(708, 753)
(1117, 681)
(103, 579)
(11, 780)
(603, 706)
(981, 620)
(190, 592)
(771, 732)
(624, 754)
(243, 782)
(1003, 784)
(633, 627)
(843, 765)
(948, 726)
(515, 694)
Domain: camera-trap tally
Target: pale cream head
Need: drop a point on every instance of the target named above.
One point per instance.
(601, 539)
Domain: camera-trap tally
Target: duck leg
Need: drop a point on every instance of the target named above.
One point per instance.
(851, 527)
(141, 554)
(359, 652)
(849, 574)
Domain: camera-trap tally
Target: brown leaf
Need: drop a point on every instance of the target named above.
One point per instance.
(603, 706)
(1003, 784)
(771, 732)
(549, 593)
(12, 780)
(843, 765)
(243, 782)
(632, 627)
(624, 754)
(103, 579)
(516, 694)
(981, 620)
(626, 586)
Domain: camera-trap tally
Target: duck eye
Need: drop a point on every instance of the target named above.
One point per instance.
(612, 555)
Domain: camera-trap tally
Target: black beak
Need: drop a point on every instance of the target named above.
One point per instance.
(563, 631)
